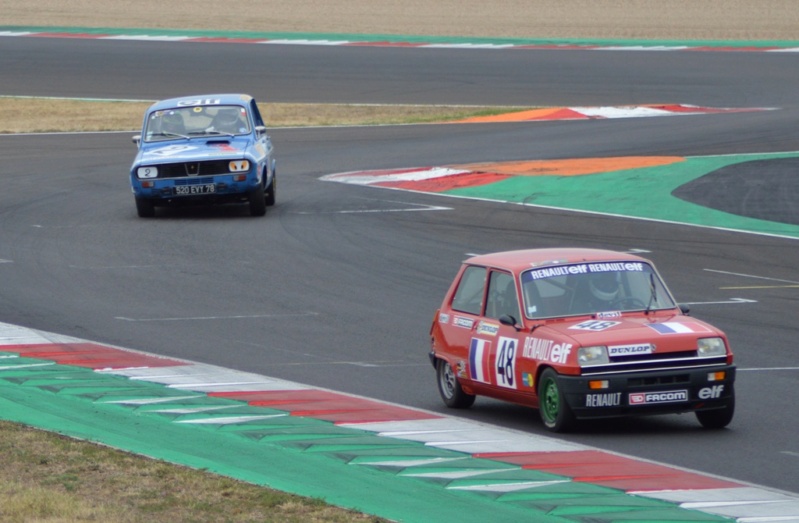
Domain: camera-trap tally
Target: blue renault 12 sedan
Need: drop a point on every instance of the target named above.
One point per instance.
(203, 149)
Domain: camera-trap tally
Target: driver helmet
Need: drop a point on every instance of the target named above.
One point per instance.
(228, 117)
(604, 286)
(172, 122)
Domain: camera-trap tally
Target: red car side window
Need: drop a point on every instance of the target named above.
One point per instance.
(469, 296)
(502, 298)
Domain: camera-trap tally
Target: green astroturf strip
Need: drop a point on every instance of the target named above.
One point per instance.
(282, 467)
(643, 193)
(393, 478)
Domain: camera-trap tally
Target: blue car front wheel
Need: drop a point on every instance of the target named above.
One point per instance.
(145, 208)
(257, 201)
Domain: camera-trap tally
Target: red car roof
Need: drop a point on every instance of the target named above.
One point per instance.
(521, 260)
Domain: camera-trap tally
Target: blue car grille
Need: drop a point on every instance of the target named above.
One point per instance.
(184, 169)
(194, 181)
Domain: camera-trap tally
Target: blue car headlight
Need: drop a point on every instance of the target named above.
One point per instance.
(238, 166)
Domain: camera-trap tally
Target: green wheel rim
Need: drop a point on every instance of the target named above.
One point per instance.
(551, 400)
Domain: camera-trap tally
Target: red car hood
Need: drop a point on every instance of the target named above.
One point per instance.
(671, 333)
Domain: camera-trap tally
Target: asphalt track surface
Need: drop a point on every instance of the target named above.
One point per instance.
(337, 285)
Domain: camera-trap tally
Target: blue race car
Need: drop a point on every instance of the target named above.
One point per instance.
(203, 149)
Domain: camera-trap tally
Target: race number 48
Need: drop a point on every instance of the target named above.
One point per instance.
(505, 362)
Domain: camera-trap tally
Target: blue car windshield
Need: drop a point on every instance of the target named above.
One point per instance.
(590, 288)
(196, 120)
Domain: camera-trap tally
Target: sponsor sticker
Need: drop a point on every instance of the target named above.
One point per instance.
(460, 321)
(224, 147)
(630, 350)
(650, 398)
(528, 379)
(491, 329)
(711, 393)
(443, 318)
(606, 399)
(546, 350)
(199, 101)
(583, 268)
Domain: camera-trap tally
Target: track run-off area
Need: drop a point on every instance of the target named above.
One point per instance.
(296, 343)
(400, 463)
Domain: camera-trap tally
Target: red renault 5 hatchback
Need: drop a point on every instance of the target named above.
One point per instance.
(578, 334)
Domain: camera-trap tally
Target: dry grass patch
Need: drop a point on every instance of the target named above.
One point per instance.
(672, 19)
(39, 115)
(301, 115)
(46, 477)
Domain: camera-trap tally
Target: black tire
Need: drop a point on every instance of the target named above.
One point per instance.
(555, 413)
(717, 418)
(145, 208)
(450, 389)
(257, 202)
(271, 191)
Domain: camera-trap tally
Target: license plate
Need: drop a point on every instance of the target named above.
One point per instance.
(188, 190)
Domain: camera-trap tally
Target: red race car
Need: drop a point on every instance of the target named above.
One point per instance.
(577, 333)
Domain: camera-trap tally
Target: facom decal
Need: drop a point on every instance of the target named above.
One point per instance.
(594, 325)
(478, 359)
(607, 399)
(505, 362)
(465, 323)
(648, 398)
(630, 350)
(546, 350)
(491, 329)
(711, 393)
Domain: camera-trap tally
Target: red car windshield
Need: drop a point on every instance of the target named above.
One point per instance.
(588, 288)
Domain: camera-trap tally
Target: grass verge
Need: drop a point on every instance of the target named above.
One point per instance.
(40, 115)
(50, 478)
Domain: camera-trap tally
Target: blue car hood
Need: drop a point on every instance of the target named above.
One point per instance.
(191, 150)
